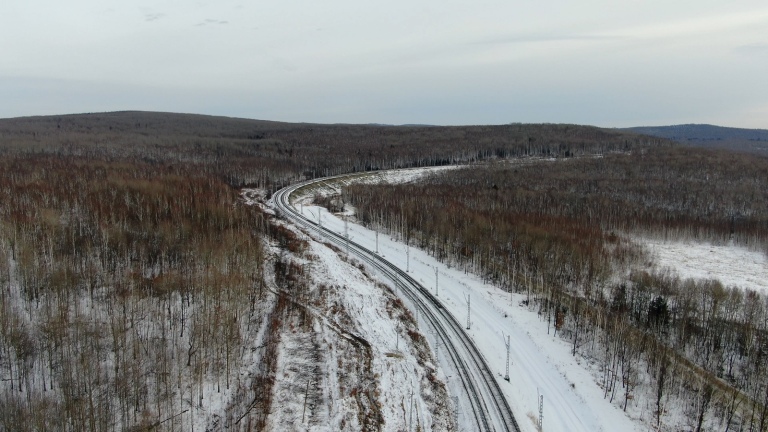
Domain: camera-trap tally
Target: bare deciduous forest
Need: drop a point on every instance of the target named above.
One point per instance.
(270, 154)
(135, 281)
(561, 233)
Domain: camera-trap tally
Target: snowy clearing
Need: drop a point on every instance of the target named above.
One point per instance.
(730, 264)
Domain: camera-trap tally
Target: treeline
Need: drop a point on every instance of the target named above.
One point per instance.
(556, 230)
(693, 346)
(271, 154)
(127, 289)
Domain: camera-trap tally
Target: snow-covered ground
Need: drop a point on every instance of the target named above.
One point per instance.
(331, 363)
(334, 185)
(540, 364)
(401, 176)
(730, 264)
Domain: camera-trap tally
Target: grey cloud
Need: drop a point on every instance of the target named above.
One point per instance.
(153, 16)
(752, 49)
(521, 39)
(211, 22)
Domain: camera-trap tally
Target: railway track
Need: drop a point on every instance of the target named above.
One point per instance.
(490, 409)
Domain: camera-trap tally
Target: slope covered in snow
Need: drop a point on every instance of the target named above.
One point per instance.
(352, 358)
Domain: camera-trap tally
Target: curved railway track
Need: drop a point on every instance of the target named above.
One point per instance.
(490, 409)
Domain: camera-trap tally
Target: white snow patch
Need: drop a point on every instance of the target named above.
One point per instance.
(730, 264)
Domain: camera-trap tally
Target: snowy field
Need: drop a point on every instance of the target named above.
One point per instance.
(731, 265)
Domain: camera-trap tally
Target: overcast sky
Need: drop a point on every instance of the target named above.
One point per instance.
(606, 63)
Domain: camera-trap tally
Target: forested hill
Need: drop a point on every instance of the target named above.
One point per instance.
(136, 282)
(703, 135)
(263, 153)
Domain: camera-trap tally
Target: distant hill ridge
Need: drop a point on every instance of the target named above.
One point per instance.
(704, 135)
(702, 132)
